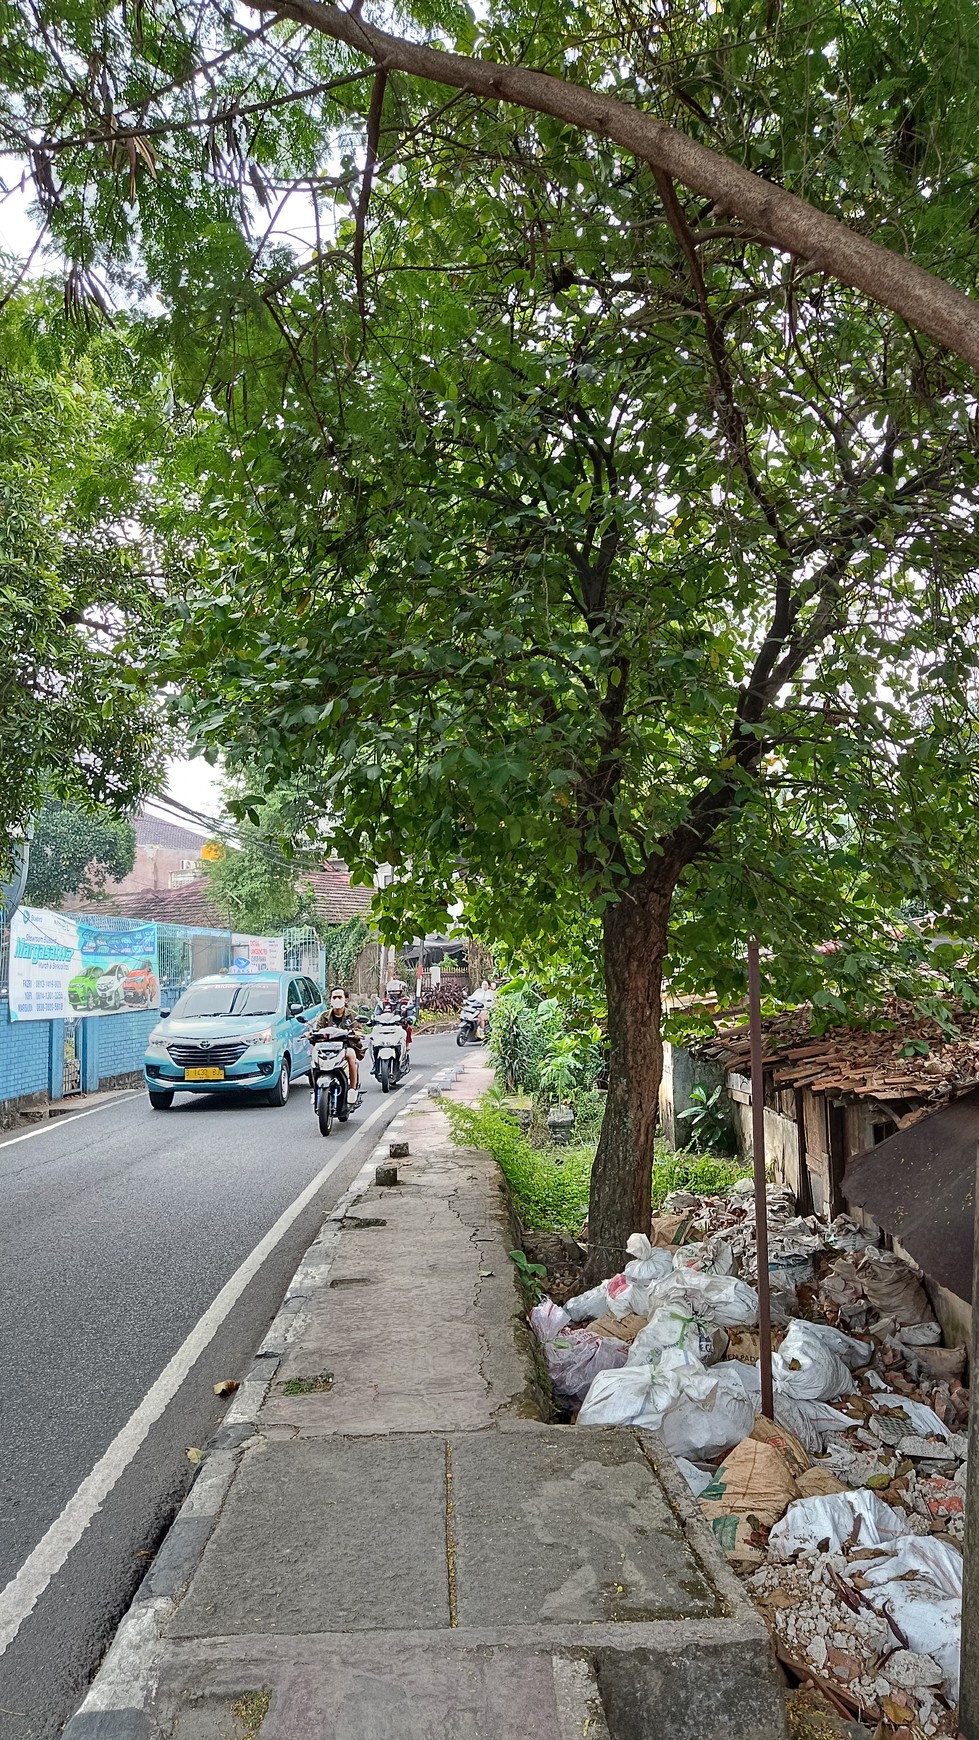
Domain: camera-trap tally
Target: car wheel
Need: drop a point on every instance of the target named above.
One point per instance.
(279, 1094)
(161, 1102)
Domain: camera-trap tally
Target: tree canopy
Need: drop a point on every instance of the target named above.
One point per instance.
(76, 851)
(84, 557)
(261, 888)
(585, 547)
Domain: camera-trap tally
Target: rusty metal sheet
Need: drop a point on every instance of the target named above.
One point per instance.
(919, 1186)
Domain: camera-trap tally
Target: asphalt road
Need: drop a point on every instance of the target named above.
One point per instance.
(117, 1232)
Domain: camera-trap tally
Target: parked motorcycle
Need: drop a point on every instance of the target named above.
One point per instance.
(390, 1057)
(469, 1015)
(328, 1074)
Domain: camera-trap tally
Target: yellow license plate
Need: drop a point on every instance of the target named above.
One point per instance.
(203, 1074)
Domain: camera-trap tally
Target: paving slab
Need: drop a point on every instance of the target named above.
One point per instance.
(330, 1535)
(564, 1526)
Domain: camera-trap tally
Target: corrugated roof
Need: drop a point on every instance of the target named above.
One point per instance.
(919, 1185)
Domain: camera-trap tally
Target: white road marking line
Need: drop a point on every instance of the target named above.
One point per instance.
(59, 1121)
(22, 1593)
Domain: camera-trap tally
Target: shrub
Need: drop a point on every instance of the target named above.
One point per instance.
(549, 1186)
(535, 1049)
(446, 998)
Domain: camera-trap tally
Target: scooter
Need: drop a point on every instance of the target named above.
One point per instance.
(469, 1014)
(331, 1082)
(389, 1050)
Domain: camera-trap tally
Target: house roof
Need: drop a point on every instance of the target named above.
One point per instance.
(192, 904)
(861, 1063)
(919, 1185)
(335, 899)
(152, 831)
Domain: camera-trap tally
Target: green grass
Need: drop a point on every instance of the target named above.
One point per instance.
(704, 1174)
(307, 1386)
(251, 1711)
(550, 1184)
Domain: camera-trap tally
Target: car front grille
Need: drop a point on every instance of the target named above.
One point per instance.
(192, 1056)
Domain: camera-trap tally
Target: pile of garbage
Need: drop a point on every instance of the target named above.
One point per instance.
(846, 1513)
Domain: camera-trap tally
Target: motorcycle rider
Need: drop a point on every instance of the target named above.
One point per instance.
(340, 1015)
(487, 996)
(397, 997)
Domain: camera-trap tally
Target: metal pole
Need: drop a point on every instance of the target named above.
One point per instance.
(761, 1195)
(969, 1664)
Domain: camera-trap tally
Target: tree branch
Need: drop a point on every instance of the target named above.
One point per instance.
(919, 297)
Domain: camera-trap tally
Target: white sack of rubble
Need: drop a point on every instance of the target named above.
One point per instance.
(730, 1302)
(639, 1395)
(850, 1350)
(810, 1521)
(807, 1369)
(708, 1420)
(920, 1582)
(672, 1326)
(648, 1262)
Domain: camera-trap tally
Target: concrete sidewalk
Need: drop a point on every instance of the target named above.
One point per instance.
(389, 1541)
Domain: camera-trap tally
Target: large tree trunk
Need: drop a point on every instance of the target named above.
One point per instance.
(635, 932)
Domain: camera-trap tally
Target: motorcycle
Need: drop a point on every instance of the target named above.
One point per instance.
(469, 1014)
(391, 1059)
(331, 1081)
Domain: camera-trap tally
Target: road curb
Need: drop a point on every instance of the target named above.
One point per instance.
(120, 1699)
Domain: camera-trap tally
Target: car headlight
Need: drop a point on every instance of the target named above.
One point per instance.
(264, 1038)
(157, 1044)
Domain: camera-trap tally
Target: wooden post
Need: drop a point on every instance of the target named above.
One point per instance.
(761, 1194)
(969, 1663)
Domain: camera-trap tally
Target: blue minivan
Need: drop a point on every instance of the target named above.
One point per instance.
(233, 1032)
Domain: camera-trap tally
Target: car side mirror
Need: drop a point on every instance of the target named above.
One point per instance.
(295, 1009)
(164, 1013)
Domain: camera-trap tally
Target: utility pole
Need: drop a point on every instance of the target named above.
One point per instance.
(969, 1658)
(761, 1192)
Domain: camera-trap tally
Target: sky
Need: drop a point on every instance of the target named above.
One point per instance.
(195, 784)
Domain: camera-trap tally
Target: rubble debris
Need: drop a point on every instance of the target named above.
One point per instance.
(845, 1514)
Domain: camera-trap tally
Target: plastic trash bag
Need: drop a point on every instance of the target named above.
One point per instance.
(574, 1356)
(698, 1479)
(809, 1521)
(806, 1367)
(920, 1582)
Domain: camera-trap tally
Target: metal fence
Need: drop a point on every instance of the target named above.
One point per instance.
(190, 952)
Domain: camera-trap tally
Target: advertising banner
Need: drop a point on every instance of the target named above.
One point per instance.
(258, 954)
(62, 965)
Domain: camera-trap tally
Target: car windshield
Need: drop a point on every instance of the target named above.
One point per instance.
(230, 999)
